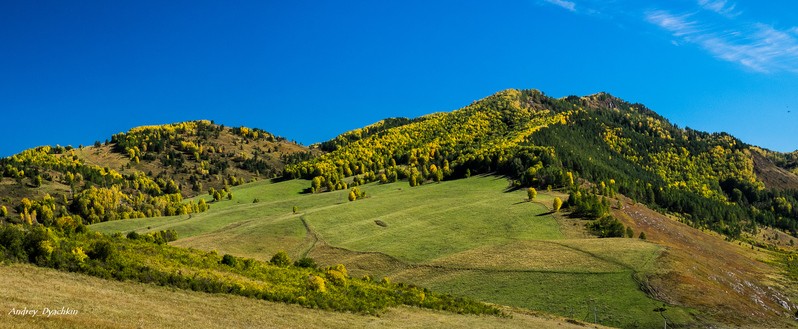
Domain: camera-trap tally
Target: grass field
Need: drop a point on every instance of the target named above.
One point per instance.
(470, 237)
(112, 304)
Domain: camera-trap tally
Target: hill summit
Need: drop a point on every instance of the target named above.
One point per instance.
(145, 172)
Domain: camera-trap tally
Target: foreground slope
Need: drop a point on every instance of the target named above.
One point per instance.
(109, 304)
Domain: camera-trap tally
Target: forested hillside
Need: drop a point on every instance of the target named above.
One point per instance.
(145, 172)
(709, 180)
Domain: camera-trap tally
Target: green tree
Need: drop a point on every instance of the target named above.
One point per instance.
(280, 259)
(352, 195)
(607, 227)
(3, 211)
(295, 209)
(629, 232)
(531, 193)
(229, 195)
(642, 235)
(202, 205)
(306, 262)
(229, 260)
(557, 204)
(315, 184)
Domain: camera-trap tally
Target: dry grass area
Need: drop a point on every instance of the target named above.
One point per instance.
(771, 175)
(776, 239)
(102, 156)
(562, 255)
(725, 279)
(111, 304)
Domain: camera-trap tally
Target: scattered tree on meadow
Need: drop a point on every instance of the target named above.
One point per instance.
(202, 206)
(531, 193)
(629, 232)
(642, 235)
(557, 204)
(356, 193)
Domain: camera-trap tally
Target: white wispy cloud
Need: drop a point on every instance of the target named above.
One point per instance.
(758, 46)
(717, 26)
(679, 25)
(569, 5)
(722, 7)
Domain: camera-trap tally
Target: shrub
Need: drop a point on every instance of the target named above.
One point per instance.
(132, 235)
(337, 274)
(335, 277)
(280, 259)
(317, 283)
(38, 245)
(306, 262)
(101, 250)
(229, 260)
(11, 242)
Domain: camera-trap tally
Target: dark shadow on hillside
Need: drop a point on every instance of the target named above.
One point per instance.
(280, 179)
(512, 188)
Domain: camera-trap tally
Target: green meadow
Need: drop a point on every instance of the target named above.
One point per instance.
(473, 237)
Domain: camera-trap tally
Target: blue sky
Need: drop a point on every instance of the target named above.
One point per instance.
(75, 72)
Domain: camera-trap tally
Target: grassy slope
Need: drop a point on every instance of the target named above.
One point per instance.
(111, 304)
(734, 279)
(468, 237)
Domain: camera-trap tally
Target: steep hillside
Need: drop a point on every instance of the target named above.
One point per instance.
(710, 180)
(142, 173)
(777, 170)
